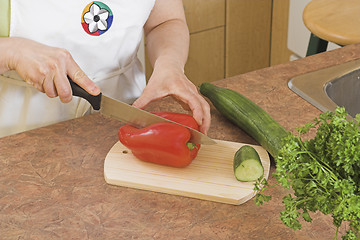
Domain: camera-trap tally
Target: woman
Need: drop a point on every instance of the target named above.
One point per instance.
(95, 44)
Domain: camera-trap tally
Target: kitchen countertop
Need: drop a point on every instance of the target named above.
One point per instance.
(52, 184)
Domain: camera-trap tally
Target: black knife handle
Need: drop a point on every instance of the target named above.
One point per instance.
(80, 92)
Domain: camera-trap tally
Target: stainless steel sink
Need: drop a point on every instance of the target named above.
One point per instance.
(331, 87)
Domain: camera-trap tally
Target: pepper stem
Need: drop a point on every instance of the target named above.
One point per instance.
(191, 146)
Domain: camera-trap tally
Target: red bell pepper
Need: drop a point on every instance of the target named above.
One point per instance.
(162, 143)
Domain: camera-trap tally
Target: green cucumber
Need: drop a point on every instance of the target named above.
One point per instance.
(247, 115)
(247, 164)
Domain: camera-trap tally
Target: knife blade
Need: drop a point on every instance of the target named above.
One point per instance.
(130, 115)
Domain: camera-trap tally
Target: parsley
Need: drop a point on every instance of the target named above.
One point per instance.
(323, 172)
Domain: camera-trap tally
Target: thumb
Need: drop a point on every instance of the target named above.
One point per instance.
(142, 101)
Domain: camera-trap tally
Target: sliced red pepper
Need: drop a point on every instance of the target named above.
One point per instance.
(162, 143)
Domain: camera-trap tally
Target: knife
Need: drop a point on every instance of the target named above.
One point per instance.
(130, 115)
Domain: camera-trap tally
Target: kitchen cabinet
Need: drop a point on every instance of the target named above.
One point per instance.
(206, 22)
(248, 25)
(206, 56)
(279, 50)
(230, 37)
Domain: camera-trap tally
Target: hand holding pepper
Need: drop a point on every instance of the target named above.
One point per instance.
(162, 143)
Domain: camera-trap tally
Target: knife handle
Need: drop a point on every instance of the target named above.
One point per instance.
(78, 91)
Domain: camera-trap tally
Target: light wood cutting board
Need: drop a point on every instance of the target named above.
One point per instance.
(209, 177)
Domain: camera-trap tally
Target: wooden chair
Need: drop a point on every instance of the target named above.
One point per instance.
(336, 21)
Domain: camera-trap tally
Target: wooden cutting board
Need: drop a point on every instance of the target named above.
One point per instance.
(209, 177)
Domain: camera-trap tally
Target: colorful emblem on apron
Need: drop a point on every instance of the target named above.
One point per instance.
(96, 18)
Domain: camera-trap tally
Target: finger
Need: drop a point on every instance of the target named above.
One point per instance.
(79, 77)
(206, 116)
(62, 86)
(30, 82)
(145, 98)
(140, 103)
(200, 109)
(35, 79)
(38, 85)
(197, 111)
(49, 86)
(193, 103)
(204, 113)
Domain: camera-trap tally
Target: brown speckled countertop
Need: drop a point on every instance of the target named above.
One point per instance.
(52, 184)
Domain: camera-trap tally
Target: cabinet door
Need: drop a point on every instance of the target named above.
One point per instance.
(206, 56)
(279, 31)
(248, 28)
(206, 20)
(204, 14)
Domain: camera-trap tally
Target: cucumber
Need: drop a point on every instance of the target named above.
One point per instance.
(247, 164)
(247, 115)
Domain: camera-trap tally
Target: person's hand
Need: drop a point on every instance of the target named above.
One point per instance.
(169, 80)
(46, 68)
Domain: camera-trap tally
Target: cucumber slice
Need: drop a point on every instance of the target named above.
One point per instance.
(247, 164)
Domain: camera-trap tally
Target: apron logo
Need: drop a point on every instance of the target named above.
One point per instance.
(96, 18)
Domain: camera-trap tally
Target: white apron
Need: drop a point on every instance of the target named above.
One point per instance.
(102, 37)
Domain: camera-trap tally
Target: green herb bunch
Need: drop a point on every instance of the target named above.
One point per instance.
(323, 172)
